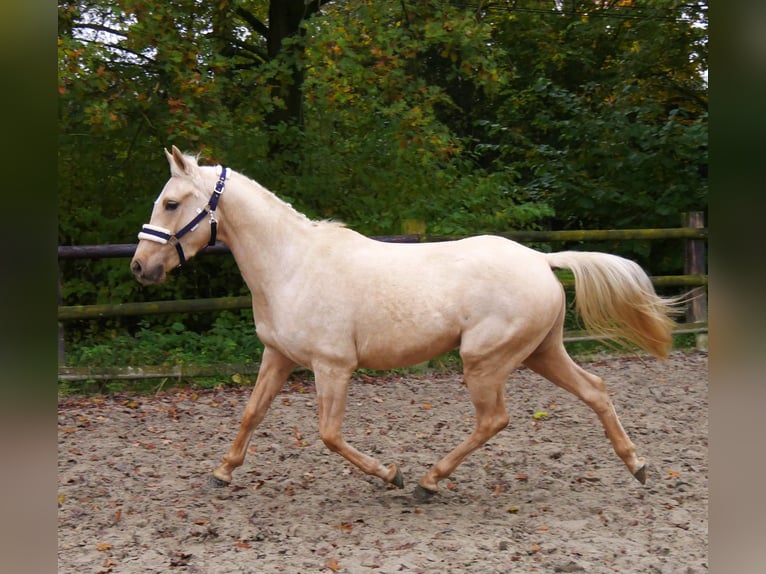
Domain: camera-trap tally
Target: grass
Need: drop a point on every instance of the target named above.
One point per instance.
(232, 340)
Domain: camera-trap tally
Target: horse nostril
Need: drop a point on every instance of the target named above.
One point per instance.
(135, 266)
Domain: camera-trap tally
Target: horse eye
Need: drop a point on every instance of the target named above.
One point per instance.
(171, 205)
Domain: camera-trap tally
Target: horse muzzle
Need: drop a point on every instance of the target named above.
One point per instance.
(147, 276)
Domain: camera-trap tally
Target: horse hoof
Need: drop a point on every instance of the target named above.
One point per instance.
(216, 482)
(398, 480)
(640, 474)
(423, 494)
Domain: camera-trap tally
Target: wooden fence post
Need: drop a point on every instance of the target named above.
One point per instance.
(694, 264)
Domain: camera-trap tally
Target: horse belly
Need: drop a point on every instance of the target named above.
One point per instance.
(387, 340)
(380, 353)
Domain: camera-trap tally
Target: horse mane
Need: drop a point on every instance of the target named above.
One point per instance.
(288, 207)
(272, 197)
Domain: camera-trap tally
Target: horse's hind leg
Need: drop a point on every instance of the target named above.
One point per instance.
(487, 395)
(553, 363)
(490, 352)
(275, 368)
(332, 395)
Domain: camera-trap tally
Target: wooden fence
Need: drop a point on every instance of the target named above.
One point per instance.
(695, 278)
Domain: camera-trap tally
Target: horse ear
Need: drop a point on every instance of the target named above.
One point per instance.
(179, 164)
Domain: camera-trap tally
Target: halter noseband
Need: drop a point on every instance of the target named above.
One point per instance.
(162, 235)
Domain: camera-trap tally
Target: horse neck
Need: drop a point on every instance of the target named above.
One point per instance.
(265, 235)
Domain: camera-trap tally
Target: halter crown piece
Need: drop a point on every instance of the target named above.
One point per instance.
(162, 235)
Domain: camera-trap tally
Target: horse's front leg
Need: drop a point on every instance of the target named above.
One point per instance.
(275, 368)
(332, 394)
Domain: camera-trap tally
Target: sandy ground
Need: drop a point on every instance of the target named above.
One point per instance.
(547, 494)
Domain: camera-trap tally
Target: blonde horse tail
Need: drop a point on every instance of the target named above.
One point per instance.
(616, 299)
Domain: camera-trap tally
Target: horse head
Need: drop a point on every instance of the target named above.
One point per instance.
(174, 233)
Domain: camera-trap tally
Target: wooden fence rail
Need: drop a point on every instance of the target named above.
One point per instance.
(127, 249)
(227, 369)
(73, 312)
(695, 277)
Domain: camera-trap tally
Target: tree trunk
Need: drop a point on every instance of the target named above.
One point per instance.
(285, 17)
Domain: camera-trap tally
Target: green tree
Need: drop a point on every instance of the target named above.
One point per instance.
(388, 89)
(610, 122)
(469, 116)
(136, 76)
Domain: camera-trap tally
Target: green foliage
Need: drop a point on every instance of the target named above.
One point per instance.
(470, 117)
(231, 339)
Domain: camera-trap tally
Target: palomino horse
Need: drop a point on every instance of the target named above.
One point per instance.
(332, 300)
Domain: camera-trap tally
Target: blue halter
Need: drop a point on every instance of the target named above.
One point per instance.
(162, 235)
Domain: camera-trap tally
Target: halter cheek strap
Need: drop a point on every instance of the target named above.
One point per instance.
(163, 235)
